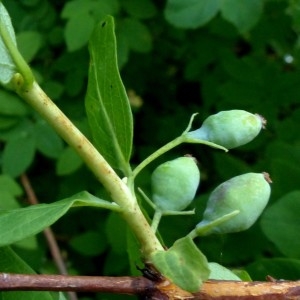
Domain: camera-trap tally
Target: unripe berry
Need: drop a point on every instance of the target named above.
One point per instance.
(174, 183)
(248, 193)
(230, 128)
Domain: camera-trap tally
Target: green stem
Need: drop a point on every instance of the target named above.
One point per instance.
(156, 219)
(147, 199)
(22, 66)
(178, 213)
(179, 140)
(184, 138)
(118, 190)
(205, 228)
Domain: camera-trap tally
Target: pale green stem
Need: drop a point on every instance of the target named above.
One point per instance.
(159, 214)
(147, 199)
(179, 140)
(21, 65)
(184, 138)
(204, 228)
(118, 190)
(178, 213)
(156, 219)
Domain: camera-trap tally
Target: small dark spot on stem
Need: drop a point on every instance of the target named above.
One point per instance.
(103, 24)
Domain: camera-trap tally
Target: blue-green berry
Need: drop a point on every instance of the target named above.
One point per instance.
(248, 193)
(174, 184)
(230, 129)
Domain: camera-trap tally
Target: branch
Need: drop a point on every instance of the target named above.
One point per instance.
(211, 290)
(105, 284)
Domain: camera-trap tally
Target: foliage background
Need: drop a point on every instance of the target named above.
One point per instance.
(175, 59)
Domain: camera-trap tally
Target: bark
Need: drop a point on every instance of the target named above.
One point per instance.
(147, 289)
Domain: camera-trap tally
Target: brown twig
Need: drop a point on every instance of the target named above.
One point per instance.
(119, 285)
(48, 233)
(211, 290)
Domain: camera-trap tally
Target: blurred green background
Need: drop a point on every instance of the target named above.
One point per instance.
(176, 58)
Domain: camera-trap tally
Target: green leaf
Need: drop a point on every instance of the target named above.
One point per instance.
(29, 43)
(141, 9)
(218, 272)
(10, 262)
(9, 190)
(18, 224)
(134, 253)
(11, 105)
(86, 13)
(18, 154)
(78, 36)
(107, 104)
(243, 14)
(90, 243)
(102, 8)
(7, 66)
(191, 13)
(294, 12)
(279, 268)
(115, 228)
(281, 225)
(47, 140)
(137, 35)
(10, 185)
(7, 122)
(184, 264)
(68, 162)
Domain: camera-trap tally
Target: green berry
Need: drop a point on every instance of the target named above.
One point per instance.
(248, 193)
(230, 128)
(174, 184)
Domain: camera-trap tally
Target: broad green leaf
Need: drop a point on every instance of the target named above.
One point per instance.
(123, 49)
(218, 272)
(184, 264)
(10, 185)
(243, 14)
(7, 66)
(11, 104)
(9, 190)
(107, 104)
(18, 154)
(7, 200)
(18, 224)
(68, 162)
(191, 13)
(30, 2)
(294, 12)
(137, 34)
(141, 9)
(53, 89)
(102, 8)
(228, 165)
(29, 43)
(47, 140)
(10, 262)
(281, 225)
(90, 243)
(279, 268)
(7, 122)
(242, 274)
(86, 13)
(115, 228)
(134, 253)
(78, 36)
